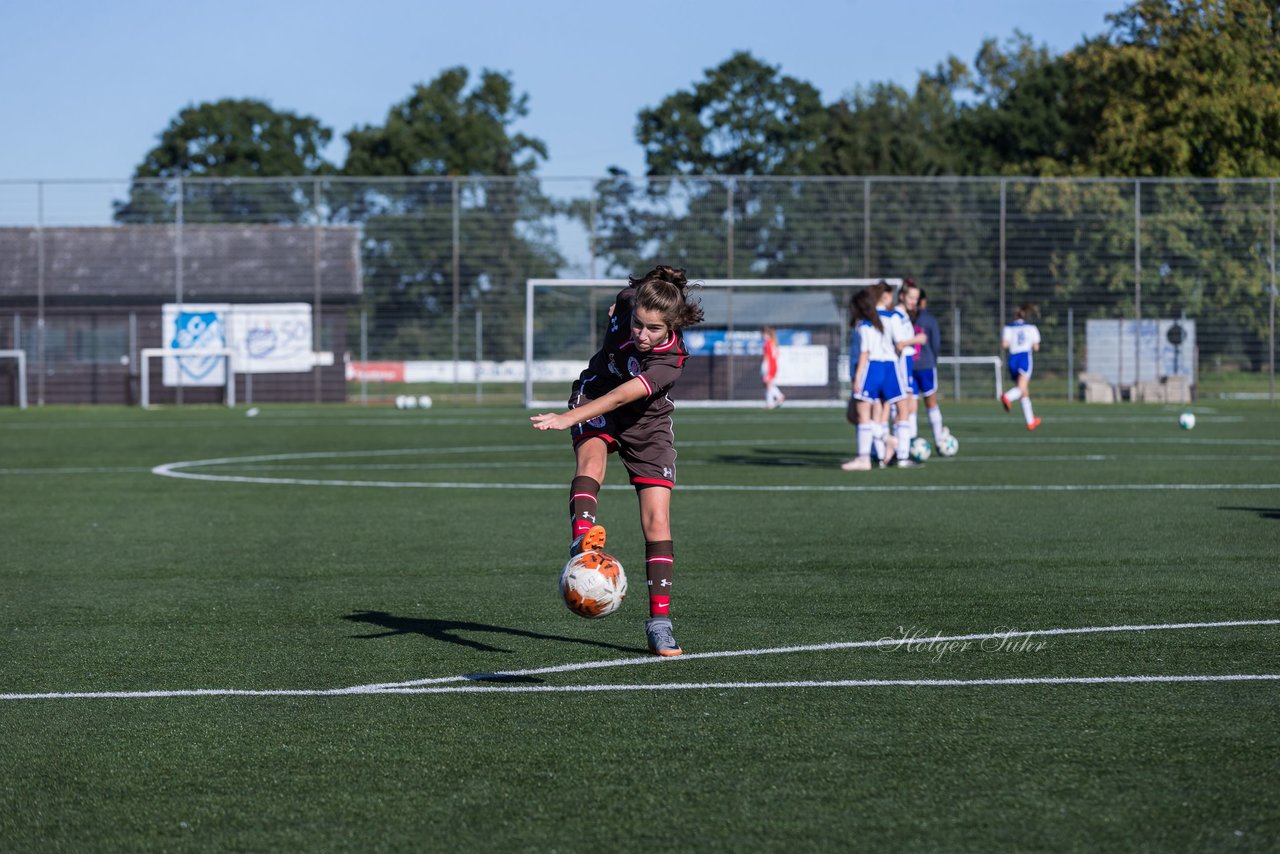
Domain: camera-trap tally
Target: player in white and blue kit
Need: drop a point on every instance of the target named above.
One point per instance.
(1022, 340)
(875, 373)
(924, 365)
(907, 340)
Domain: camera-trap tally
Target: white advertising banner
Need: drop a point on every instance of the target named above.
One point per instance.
(272, 338)
(267, 338)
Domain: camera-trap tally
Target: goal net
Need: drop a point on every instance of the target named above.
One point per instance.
(564, 319)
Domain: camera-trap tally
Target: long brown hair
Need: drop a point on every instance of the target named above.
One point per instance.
(864, 306)
(666, 290)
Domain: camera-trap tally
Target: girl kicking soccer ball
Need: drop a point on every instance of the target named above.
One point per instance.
(619, 404)
(1021, 339)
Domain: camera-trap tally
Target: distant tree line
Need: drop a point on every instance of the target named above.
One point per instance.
(1173, 88)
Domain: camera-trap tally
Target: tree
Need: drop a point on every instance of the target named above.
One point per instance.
(466, 173)
(442, 129)
(1187, 88)
(1028, 115)
(744, 118)
(881, 129)
(228, 139)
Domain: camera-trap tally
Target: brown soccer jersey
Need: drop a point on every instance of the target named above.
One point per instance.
(641, 431)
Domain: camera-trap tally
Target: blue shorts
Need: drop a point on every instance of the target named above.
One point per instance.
(925, 381)
(906, 375)
(1019, 365)
(880, 383)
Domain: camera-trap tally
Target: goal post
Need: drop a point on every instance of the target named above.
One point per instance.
(19, 356)
(563, 319)
(147, 353)
(957, 363)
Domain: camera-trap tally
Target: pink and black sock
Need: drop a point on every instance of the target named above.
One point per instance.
(659, 566)
(582, 504)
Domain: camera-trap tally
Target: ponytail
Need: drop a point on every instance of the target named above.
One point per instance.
(666, 290)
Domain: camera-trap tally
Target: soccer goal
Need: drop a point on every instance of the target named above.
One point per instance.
(564, 319)
(148, 353)
(19, 356)
(977, 367)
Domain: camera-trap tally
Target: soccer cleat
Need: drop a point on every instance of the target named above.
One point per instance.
(661, 640)
(591, 541)
(857, 464)
(909, 463)
(1004, 398)
(1033, 424)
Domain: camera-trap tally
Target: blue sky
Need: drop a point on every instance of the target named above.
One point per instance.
(86, 87)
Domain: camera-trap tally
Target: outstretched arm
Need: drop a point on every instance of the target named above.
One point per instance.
(632, 390)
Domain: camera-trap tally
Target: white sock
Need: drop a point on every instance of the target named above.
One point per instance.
(1013, 394)
(903, 431)
(1026, 410)
(915, 424)
(935, 421)
(865, 434)
(877, 438)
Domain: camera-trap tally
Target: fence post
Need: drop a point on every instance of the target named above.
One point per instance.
(40, 323)
(866, 228)
(178, 218)
(1271, 323)
(955, 349)
(1071, 353)
(1003, 255)
(1137, 287)
(457, 278)
(317, 245)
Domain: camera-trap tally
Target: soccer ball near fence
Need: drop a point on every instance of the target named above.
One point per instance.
(593, 584)
(1187, 420)
(948, 445)
(921, 450)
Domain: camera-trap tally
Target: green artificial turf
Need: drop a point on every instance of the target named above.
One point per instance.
(167, 620)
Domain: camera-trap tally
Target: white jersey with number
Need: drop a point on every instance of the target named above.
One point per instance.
(1021, 337)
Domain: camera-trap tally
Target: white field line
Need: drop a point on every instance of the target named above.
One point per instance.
(836, 683)
(179, 470)
(442, 684)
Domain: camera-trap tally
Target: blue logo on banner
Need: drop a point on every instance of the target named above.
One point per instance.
(198, 330)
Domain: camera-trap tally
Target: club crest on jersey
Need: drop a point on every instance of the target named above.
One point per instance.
(597, 422)
(633, 366)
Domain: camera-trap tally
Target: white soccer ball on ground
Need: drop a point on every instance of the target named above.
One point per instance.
(424, 401)
(948, 445)
(920, 449)
(593, 584)
(1187, 420)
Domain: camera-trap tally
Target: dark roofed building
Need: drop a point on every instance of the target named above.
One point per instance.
(250, 263)
(99, 293)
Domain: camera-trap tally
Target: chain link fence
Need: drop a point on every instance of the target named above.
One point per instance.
(1134, 281)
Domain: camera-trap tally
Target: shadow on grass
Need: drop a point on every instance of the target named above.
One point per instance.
(1263, 512)
(785, 457)
(447, 631)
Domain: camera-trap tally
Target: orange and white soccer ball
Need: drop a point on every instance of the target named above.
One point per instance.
(593, 584)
